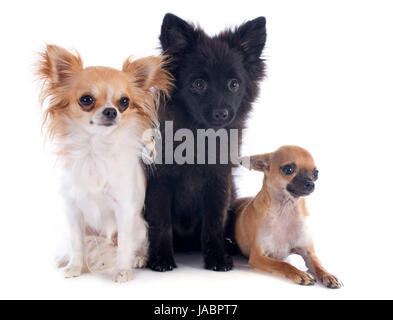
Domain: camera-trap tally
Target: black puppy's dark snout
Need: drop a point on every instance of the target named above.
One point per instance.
(110, 113)
(220, 114)
(309, 185)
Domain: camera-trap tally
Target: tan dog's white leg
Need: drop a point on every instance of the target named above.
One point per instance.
(76, 228)
(315, 267)
(132, 232)
(132, 228)
(260, 262)
(127, 248)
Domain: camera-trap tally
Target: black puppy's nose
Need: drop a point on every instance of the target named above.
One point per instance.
(110, 113)
(309, 185)
(220, 114)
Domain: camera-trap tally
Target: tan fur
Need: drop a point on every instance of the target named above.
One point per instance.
(277, 216)
(64, 81)
(84, 144)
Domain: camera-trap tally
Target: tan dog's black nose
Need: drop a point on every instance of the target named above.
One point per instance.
(110, 113)
(309, 186)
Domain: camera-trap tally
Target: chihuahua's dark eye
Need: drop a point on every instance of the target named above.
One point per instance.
(288, 169)
(233, 85)
(124, 103)
(199, 84)
(315, 174)
(86, 102)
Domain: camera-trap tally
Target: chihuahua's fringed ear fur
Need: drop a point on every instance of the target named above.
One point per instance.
(58, 65)
(150, 76)
(259, 162)
(55, 70)
(154, 83)
(149, 73)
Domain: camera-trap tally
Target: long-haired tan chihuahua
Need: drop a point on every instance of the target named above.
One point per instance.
(272, 226)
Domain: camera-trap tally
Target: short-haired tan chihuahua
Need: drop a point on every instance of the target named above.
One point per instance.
(271, 226)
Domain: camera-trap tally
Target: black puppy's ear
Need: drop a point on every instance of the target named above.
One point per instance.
(259, 162)
(176, 35)
(250, 37)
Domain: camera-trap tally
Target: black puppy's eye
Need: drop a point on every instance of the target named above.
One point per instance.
(124, 103)
(87, 102)
(199, 84)
(288, 169)
(233, 85)
(315, 174)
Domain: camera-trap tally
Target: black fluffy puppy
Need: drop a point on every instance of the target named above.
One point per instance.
(216, 80)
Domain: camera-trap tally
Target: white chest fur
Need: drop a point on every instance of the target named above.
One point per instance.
(101, 171)
(282, 231)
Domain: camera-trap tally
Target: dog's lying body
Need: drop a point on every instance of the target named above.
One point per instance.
(271, 226)
(216, 80)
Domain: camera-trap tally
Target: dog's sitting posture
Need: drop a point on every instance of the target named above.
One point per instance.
(271, 226)
(216, 80)
(97, 118)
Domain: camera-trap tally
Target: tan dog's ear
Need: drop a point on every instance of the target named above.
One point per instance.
(259, 162)
(148, 73)
(58, 65)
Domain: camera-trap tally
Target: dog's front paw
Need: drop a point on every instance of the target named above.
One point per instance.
(161, 263)
(302, 278)
(219, 263)
(72, 272)
(330, 281)
(140, 261)
(121, 276)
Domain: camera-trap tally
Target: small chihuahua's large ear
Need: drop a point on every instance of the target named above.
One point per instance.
(260, 162)
(58, 65)
(149, 73)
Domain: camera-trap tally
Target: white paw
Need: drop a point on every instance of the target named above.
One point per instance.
(140, 261)
(62, 262)
(122, 276)
(72, 272)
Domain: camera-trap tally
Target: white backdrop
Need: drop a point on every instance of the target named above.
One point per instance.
(328, 89)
